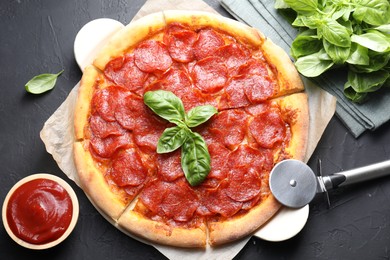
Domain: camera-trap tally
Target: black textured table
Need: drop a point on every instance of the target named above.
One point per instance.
(37, 37)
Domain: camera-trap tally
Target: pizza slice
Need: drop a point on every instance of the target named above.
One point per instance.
(276, 130)
(103, 148)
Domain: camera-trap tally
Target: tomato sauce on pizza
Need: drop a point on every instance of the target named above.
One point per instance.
(259, 123)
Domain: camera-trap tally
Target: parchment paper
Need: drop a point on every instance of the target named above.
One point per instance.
(58, 135)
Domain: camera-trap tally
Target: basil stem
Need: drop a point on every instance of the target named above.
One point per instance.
(42, 83)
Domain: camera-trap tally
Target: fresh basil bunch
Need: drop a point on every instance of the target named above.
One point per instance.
(355, 33)
(195, 157)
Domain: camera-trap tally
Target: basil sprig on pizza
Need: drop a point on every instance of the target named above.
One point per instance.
(128, 157)
(195, 157)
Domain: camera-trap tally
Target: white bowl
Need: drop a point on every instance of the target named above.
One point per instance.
(73, 221)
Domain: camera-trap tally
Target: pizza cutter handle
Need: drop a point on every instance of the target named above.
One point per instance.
(357, 175)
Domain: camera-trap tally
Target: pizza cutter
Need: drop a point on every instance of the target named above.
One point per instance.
(294, 184)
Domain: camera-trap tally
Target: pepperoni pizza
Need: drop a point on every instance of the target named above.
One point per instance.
(204, 59)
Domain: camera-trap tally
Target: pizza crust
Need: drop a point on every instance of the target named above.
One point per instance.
(161, 233)
(85, 92)
(286, 73)
(299, 123)
(221, 232)
(199, 19)
(95, 186)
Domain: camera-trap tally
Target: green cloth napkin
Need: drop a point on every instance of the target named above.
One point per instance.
(356, 117)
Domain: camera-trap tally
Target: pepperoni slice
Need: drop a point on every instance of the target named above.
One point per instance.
(172, 200)
(233, 55)
(253, 66)
(180, 202)
(218, 155)
(180, 43)
(101, 128)
(152, 56)
(174, 27)
(210, 74)
(210, 137)
(132, 190)
(244, 90)
(178, 82)
(202, 210)
(152, 195)
(229, 127)
(105, 101)
(268, 129)
(247, 157)
(169, 166)
(234, 95)
(210, 183)
(252, 202)
(127, 169)
(244, 184)
(123, 71)
(217, 201)
(106, 147)
(258, 88)
(129, 113)
(258, 109)
(208, 42)
(148, 131)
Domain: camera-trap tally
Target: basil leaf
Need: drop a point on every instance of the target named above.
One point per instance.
(384, 28)
(42, 83)
(338, 54)
(166, 105)
(352, 95)
(305, 43)
(343, 12)
(199, 115)
(348, 25)
(367, 82)
(195, 159)
(374, 41)
(298, 21)
(359, 55)
(314, 65)
(171, 139)
(377, 61)
(374, 12)
(309, 21)
(359, 84)
(335, 33)
(303, 6)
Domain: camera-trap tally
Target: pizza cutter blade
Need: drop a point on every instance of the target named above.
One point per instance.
(294, 184)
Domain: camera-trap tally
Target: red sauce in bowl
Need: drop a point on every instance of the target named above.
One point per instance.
(39, 211)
